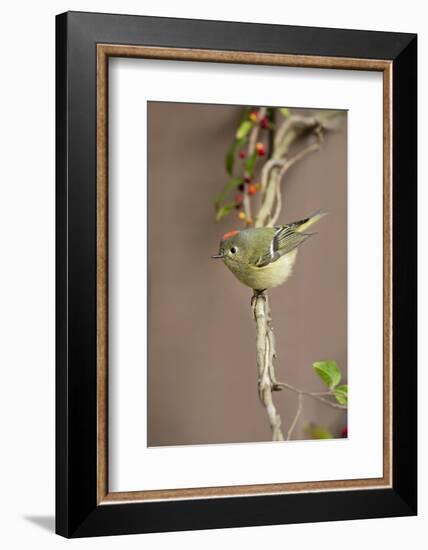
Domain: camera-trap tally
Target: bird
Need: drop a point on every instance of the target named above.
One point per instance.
(263, 258)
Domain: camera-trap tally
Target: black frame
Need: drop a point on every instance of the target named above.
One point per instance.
(77, 513)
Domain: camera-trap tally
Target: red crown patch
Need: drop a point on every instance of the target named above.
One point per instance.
(230, 234)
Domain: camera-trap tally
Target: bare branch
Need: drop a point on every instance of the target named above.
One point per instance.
(286, 166)
(296, 418)
(299, 156)
(273, 171)
(278, 206)
(314, 395)
(266, 171)
(265, 353)
(290, 130)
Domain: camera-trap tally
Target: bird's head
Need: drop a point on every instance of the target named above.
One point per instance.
(233, 248)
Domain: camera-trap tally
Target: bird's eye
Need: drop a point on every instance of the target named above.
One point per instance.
(233, 250)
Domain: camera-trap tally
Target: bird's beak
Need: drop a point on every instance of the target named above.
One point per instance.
(218, 256)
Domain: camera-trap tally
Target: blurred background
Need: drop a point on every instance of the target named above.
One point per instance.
(202, 373)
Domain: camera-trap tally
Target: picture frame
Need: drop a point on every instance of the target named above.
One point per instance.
(84, 44)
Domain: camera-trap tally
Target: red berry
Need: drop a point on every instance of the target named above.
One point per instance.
(238, 198)
(344, 432)
(252, 189)
(242, 154)
(247, 179)
(264, 123)
(260, 148)
(241, 187)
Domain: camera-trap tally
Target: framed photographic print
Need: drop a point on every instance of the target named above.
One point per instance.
(236, 274)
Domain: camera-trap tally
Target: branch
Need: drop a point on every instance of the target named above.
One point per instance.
(296, 418)
(293, 129)
(287, 165)
(272, 187)
(265, 354)
(295, 126)
(314, 395)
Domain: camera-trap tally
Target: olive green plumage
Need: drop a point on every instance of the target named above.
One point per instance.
(264, 257)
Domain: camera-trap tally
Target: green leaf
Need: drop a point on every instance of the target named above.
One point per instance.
(232, 184)
(224, 211)
(243, 129)
(285, 112)
(318, 432)
(250, 163)
(230, 155)
(230, 159)
(329, 372)
(341, 394)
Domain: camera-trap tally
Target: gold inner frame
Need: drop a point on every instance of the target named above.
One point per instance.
(104, 51)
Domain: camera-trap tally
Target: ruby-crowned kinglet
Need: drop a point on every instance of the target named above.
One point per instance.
(263, 257)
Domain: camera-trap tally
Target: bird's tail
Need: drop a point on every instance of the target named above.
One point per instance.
(302, 225)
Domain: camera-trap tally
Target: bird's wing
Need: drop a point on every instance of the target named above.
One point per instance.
(285, 239)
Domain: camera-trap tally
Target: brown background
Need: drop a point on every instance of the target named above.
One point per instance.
(202, 381)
